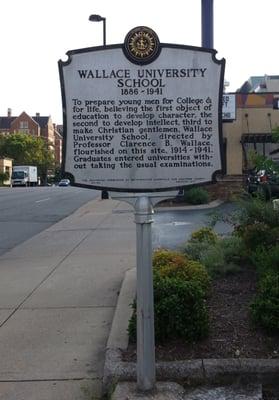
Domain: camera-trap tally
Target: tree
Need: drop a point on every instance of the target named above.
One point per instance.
(28, 150)
(4, 176)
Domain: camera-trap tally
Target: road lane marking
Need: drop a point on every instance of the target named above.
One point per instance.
(176, 223)
(40, 201)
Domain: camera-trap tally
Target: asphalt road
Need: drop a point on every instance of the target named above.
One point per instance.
(24, 212)
(171, 229)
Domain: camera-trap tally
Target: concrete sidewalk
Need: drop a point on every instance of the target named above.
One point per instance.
(58, 293)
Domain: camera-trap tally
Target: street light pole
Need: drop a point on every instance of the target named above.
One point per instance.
(104, 31)
(98, 18)
(207, 23)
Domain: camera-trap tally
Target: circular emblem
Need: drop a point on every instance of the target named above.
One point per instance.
(141, 45)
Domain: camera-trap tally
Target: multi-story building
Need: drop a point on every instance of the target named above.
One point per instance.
(38, 126)
(257, 114)
(58, 145)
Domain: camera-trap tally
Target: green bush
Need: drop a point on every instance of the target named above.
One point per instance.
(266, 259)
(221, 256)
(248, 212)
(265, 307)
(259, 234)
(255, 210)
(213, 259)
(179, 311)
(205, 234)
(180, 286)
(171, 264)
(4, 176)
(233, 249)
(194, 249)
(163, 257)
(196, 195)
(199, 242)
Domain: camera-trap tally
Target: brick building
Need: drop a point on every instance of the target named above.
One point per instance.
(38, 126)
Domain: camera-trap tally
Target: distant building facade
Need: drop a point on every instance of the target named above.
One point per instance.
(58, 145)
(256, 117)
(38, 126)
(260, 84)
(6, 165)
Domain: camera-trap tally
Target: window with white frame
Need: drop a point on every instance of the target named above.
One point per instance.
(23, 126)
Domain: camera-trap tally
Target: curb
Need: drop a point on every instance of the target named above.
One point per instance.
(212, 204)
(198, 371)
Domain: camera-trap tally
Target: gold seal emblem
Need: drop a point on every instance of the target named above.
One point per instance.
(141, 45)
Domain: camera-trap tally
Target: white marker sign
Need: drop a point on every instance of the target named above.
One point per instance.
(229, 107)
(142, 116)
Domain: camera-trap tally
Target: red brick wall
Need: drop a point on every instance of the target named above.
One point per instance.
(33, 127)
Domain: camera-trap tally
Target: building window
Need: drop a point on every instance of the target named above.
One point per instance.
(23, 126)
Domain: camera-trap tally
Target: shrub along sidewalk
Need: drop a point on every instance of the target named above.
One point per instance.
(219, 297)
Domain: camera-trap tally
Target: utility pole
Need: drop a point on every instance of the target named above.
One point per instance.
(207, 23)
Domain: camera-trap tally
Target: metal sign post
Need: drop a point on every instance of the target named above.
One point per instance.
(143, 211)
(145, 302)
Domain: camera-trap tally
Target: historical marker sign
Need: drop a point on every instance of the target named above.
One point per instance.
(142, 116)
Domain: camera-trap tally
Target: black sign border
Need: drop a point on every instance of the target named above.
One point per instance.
(215, 174)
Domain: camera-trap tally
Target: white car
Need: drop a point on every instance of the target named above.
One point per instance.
(64, 182)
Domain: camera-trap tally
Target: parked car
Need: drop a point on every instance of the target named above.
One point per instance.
(64, 182)
(264, 183)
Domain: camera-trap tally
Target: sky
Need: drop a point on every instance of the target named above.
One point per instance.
(35, 34)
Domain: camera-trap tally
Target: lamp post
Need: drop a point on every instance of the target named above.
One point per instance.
(98, 18)
(207, 23)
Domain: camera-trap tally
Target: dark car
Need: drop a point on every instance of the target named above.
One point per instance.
(264, 183)
(64, 182)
